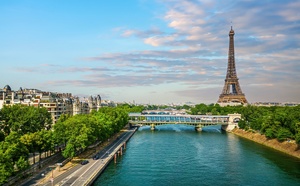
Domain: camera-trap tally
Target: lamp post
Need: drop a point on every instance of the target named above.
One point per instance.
(52, 175)
(52, 179)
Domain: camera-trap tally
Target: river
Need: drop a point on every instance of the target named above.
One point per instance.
(177, 155)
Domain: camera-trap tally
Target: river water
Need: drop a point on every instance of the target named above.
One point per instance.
(177, 155)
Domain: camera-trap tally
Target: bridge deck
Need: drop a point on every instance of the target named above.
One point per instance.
(156, 119)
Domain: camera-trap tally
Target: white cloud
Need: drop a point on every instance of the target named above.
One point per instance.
(158, 40)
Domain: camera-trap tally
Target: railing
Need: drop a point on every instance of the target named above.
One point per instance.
(136, 118)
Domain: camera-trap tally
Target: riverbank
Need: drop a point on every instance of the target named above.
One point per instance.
(56, 171)
(290, 147)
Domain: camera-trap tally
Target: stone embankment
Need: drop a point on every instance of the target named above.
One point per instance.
(288, 147)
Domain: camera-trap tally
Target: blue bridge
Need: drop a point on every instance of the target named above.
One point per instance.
(228, 122)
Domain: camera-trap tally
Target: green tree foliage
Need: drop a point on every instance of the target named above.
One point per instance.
(70, 150)
(59, 130)
(24, 119)
(19, 126)
(43, 142)
(271, 133)
(275, 122)
(12, 151)
(131, 108)
(29, 140)
(284, 134)
(80, 131)
(22, 163)
(13, 147)
(243, 124)
(297, 138)
(6, 167)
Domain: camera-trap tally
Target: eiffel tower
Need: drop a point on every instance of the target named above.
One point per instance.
(232, 92)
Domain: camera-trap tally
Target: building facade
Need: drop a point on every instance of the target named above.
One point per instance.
(56, 103)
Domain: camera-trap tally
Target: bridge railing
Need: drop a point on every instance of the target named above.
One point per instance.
(139, 118)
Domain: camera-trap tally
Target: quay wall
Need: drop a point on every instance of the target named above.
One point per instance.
(99, 171)
(288, 147)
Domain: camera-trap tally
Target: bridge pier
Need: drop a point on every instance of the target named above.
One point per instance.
(198, 128)
(232, 122)
(152, 127)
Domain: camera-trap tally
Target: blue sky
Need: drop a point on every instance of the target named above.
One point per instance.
(151, 51)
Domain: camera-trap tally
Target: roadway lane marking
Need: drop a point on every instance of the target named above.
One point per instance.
(69, 177)
(103, 162)
(84, 172)
(81, 176)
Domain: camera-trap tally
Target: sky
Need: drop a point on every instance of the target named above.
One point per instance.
(151, 51)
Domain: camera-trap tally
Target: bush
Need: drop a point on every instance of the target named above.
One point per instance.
(242, 124)
(283, 134)
(270, 133)
(297, 138)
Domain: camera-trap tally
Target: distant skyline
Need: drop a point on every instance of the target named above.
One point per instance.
(151, 51)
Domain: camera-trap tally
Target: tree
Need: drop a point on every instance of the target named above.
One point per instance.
(30, 142)
(21, 131)
(80, 131)
(11, 150)
(43, 142)
(70, 150)
(24, 119)
(22, 163)
(6, 167)
(201, 108)
(60, 130)
(13, 147)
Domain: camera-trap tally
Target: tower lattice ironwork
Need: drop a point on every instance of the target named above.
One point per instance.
(232, 92)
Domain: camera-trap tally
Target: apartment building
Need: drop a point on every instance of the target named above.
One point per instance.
(56, 103)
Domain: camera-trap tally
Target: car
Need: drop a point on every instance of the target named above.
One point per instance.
(96, 157)
(84, 162)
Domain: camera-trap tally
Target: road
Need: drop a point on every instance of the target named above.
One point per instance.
(34, 179)
(82, 174)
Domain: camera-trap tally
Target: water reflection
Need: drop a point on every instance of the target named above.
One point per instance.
(290, 165)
